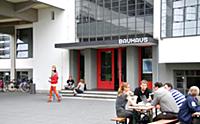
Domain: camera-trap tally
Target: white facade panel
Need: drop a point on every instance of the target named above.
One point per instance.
(57, 3)
(46, 33)
(156, 19)
(5, 64)
(179, 50)
(24, 63)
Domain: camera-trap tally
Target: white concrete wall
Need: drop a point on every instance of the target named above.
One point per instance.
(47, 33)
(56, 3)
(5, 64)
(156, 19)
(179, 50)
(132, 66)
(175, 50)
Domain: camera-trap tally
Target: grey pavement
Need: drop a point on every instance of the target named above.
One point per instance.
(24, 108)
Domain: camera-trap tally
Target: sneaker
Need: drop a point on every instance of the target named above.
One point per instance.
(49, 100)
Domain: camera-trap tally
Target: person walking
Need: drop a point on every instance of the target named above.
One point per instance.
(53, 80)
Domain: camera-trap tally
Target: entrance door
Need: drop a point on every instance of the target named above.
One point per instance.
(105, 69)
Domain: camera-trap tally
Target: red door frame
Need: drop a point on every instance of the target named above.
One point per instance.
(120, 65)
(104, 84)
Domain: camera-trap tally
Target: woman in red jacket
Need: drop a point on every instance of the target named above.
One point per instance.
(53, 81)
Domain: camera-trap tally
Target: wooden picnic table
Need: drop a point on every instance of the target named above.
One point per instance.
(143, 110)
(141, 107)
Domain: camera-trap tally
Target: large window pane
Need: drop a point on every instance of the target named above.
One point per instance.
(190, 31)
(178, 26)
(24, 44)
(178, 32)
(190, 24)
(191, 13)
(4, 46)
(178, 3)
(190, 2)
(178, 14)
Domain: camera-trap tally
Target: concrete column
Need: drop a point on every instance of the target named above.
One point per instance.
(74, 64)
(132, 66)
(91, 68)
(155, 64)
(13, 57)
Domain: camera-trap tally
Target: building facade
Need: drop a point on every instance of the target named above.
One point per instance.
(104, 42)
(114, 43)
(29, 30)
(178, 35)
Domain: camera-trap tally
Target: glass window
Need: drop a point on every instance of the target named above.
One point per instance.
(190, 28)
(190, 31)
(190, 13)
(146, 66)
(178, 25)
(190, 2)
(113, 18)
(178, 14)
(178, 3)
(178, 32)
(4, 46)
(106, 66)
(184, 16)
(24, 43)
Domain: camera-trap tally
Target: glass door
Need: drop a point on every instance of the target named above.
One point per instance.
(105, 70)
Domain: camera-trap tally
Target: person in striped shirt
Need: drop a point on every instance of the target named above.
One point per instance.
(178, 96)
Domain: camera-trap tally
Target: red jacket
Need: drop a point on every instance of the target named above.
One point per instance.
(54, 78)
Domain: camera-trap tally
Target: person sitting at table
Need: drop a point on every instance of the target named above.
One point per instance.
(70, 84)
(178, 96)
(190, 106)
(143, 92)
(167, 104)
(124, 98)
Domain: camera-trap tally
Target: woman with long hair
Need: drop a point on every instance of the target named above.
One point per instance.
(124, 97)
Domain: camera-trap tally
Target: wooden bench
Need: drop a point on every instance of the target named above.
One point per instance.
(167, 121)
(119, 120)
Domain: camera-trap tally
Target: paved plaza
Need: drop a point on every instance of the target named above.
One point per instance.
(24, 108)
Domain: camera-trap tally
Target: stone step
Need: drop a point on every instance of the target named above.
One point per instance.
(112, 95)
(92, 92)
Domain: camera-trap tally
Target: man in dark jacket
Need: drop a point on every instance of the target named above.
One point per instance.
(142, 92)
(189, 107)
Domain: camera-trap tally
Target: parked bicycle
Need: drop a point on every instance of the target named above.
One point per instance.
(2, 85)
(25, 85)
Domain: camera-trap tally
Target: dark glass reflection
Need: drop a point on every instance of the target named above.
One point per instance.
(106, 66)
(113, 18)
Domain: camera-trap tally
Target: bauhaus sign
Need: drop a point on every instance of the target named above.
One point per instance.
(134, 40)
